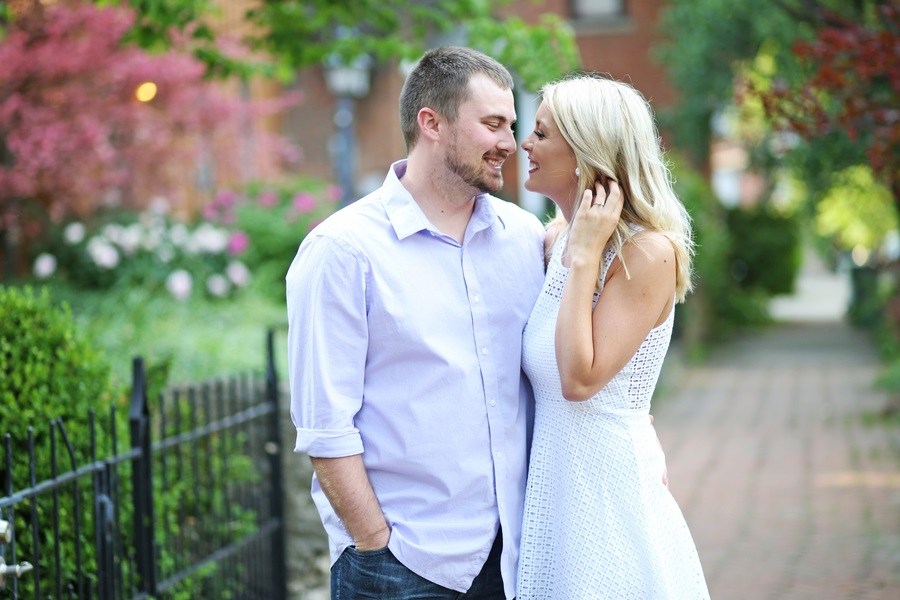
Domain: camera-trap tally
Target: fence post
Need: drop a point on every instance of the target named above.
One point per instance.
(142, 480)
(274, 450)
(104, 535)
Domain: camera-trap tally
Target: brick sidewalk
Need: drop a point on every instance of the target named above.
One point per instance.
(789, 482)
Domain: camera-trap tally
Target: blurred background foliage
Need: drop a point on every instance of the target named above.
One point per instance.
(814, 87)
(765, 252)
(718, 306)
(293, 34)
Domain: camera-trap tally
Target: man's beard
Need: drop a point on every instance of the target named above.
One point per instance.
(476, 176)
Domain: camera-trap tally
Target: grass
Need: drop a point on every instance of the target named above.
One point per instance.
(201, 338)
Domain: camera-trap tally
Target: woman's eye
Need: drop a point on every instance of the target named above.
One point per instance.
(538, 134)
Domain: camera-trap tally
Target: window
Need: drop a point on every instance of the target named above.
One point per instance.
(598, 9)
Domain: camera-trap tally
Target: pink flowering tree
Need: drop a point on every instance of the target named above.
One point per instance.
(75, 136)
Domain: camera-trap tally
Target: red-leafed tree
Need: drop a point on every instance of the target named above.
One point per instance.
(73, 134)
(852, 84)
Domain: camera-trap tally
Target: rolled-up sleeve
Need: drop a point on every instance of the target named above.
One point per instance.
(327, 343)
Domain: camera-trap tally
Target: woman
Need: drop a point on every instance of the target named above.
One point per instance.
(599, 521)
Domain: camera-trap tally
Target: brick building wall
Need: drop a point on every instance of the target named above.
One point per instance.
(623, 48)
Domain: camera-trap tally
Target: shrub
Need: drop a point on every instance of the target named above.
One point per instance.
(718, 306)
(275, 219)
(765, 252)
(47, 370)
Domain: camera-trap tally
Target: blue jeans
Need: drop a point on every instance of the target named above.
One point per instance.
(378, 575)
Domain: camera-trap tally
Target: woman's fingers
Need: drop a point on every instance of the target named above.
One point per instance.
(603, 193)
(587, 199)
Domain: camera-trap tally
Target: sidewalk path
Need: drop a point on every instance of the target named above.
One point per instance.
(788, 478)
(820, 295)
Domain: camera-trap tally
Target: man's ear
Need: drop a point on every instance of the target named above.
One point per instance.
(430, 123)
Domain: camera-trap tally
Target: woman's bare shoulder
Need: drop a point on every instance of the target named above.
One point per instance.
(650, 244)
(554, 230)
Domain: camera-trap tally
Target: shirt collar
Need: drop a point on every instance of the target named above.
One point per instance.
(407, 218)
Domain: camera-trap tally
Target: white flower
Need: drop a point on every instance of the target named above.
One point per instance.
(152, 238)
(179, 235)
(179, 284)
(217, 285)
(208, 239)
(74, 232)
(238, 273)
(44, 266)
(113, 232)
(165, 253)
(130, 239)
(103, 253)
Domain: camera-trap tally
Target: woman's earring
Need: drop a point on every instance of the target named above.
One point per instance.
(577, 172)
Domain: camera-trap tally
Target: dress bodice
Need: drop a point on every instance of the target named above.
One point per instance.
(630, 391)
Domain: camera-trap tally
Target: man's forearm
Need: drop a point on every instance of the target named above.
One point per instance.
(346, 485)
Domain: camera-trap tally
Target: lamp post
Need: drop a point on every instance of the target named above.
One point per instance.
(347, 81)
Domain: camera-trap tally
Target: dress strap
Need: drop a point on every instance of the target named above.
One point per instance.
(558, 245)
(610, 254)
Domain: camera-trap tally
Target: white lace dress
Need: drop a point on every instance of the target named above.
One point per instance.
(599, 523)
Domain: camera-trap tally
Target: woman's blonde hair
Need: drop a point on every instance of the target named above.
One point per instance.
(610, 127)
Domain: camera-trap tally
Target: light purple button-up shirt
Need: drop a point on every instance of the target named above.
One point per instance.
(405, 346)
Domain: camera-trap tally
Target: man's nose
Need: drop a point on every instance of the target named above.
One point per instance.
(508, 142)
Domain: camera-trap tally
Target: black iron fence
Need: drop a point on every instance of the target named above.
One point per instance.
(191, 507)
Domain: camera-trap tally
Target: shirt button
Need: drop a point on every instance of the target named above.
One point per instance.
(500, 456)
(475, 299)
(493, 403)
(484, 351)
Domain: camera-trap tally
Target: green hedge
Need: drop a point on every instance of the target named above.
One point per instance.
(718, 305)
(48, 371)
(765, 252)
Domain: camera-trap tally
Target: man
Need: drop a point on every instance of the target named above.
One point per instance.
(406, 312)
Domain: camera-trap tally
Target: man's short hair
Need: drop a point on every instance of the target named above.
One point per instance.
(440, 81)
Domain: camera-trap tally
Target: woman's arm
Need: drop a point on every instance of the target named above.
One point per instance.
(593, 344)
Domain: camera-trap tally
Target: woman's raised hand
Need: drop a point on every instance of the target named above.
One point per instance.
(595, 221)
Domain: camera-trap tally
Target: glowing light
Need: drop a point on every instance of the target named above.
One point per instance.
(145, 92)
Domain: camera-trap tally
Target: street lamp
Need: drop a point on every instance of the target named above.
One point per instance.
(347, 81)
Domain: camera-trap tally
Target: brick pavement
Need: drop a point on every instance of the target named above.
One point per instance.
(789, 482)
